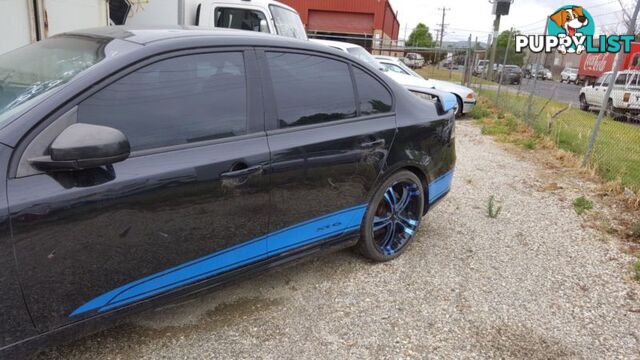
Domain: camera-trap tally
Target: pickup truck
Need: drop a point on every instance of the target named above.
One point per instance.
(267, 16)
(624, 98)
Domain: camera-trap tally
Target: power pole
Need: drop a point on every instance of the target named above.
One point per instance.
(442, 24)
(494, 45)
(440, 33)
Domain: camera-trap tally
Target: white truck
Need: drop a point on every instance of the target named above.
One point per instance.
(25, 21)
(254, 15)
(625, 95)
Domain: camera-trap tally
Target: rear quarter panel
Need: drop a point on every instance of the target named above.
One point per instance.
(424, 138)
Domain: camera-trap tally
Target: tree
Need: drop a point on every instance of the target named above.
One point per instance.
(513, 58)
(420, 37)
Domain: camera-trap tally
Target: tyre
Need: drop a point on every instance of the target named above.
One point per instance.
(584, 106)
(393, 217)
(460, 107)
(611, 111)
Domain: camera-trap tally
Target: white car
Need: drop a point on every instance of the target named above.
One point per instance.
(625, 95)
(569, 75)
(398, 71)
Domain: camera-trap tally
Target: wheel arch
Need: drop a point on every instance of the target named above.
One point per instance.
(416, 170)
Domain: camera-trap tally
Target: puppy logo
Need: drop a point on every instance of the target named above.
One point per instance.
(570, 21)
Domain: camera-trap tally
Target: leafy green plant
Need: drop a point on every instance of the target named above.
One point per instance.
(582, 204)
(493, 210)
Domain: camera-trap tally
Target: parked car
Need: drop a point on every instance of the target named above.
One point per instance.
(624, 98)
(144, 166)
(414, 60)
(510, 74)
(531, 71)
(268, 16)
(465, 97)
(569, 75)
(480, 67)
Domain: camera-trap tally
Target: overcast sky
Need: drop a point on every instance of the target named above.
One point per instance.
(474, 16)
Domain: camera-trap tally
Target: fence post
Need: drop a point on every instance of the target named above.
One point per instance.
(504, 63)
(465, 77)
(603, 106)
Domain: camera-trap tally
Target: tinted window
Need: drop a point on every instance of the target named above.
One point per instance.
(374, 97)
(175, 101)
(242, 19)
(310, 89)
(605, 81)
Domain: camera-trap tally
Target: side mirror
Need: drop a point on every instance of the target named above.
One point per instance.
(264, 27)
(84, 146)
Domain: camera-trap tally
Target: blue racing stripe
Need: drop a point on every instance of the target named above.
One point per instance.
(237, 256)
(440, 186)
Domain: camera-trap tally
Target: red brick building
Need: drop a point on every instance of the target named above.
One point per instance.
(356, 21)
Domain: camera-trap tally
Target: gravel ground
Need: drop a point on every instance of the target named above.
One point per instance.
(532, 283)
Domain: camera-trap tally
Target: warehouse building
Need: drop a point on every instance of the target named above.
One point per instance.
(372, 24)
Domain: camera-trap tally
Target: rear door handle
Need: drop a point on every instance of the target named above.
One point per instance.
(242, 172)
(373, 144)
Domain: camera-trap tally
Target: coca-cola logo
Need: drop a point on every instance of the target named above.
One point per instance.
(597, 62)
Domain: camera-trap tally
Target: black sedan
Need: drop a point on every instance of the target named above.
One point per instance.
(142, 166)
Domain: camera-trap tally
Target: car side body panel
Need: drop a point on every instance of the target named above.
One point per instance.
(16, 323)
(96, 244)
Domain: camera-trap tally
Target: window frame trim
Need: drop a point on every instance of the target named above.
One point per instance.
(254, 103)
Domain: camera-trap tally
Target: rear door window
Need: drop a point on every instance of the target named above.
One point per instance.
(622, 79)
(310, 89)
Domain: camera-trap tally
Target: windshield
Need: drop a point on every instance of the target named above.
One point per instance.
(362, 54)
(33, 70)
(287, 23)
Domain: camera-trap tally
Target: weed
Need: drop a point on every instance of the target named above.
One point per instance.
(529, 144)
(636, 267)
(492, 209)
(582, 204)
(635, 232)
(479, 112)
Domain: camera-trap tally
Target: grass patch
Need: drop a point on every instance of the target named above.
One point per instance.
(479, 112)
(636, 268)
(453, 76)
(493, 210)
(582, 204)
(528, 144)
(616, 154)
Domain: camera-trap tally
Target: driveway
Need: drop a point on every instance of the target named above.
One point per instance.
(534, 283)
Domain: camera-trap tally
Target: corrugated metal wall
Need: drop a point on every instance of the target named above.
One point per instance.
(384, 17)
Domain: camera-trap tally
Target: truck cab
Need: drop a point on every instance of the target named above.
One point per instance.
(267, 16)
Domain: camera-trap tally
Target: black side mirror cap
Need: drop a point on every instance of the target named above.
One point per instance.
(84, 146)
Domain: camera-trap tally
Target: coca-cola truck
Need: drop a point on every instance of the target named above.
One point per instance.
(593, 65)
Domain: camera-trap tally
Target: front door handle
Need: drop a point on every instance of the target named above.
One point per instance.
(242, 172)
(372, 144)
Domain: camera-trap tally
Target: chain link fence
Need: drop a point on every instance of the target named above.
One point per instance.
(558, 109)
